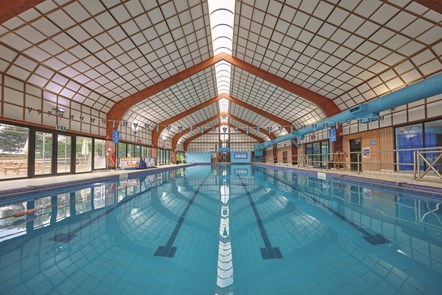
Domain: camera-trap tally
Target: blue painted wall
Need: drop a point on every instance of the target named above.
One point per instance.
(198, 157)
(240, 157)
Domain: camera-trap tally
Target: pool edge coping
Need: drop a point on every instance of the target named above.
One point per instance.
(10, 193)
(437, 191)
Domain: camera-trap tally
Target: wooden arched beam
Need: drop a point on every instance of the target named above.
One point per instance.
(190, 139)
(117, 112)
(327, 105)
(263, 113)
(9, 8)
(164, 124)
(177, 136)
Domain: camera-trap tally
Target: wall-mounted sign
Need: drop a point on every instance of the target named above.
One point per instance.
(115, 136)
(332, 134)
(60, 127)
(373, 142)
(240, 155)
(366, 152)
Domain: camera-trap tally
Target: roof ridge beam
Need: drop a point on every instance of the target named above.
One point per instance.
(190, 139)
(177, 136)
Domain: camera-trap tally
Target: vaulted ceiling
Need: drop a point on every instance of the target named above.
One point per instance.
(149, 61)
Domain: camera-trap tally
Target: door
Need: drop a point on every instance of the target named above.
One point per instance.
(64, 153)
(355, 154)
(43, 153)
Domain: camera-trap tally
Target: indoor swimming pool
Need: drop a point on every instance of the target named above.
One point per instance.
(221, 229)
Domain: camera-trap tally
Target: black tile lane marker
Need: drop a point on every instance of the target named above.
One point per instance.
(374, 239)
(169, 250)
(268, 252)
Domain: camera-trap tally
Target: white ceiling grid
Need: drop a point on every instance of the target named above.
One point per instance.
(113, 48)
(275, 100)
(345, 50)
(193, 119)
(251, 130)
(99, 52)
(255, 119)
(195, 131)
(176, 99)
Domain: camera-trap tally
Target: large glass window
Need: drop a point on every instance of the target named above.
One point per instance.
(433, 134)
(417, 136)
(100, 154)
(84, 154)
(121, 152)
(167, 157)
(160, 157)
(63, 153)
(143, 152)
(137, 151)
(408, 138)
(316, 153)
(14, 145)
(130, 150)
(43, 153)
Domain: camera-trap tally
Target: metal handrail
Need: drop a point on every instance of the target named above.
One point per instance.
(379, 161)
(431, 166)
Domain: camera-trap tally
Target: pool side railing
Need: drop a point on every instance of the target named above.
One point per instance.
(413, 164)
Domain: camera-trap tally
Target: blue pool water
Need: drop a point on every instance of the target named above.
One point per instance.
(221, 230)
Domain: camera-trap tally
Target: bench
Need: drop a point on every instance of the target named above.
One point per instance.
(14, 166)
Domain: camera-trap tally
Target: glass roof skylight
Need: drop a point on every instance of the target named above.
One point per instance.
(221, 24)
(224, 105)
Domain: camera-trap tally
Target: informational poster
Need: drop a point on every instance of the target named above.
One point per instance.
(366, 152)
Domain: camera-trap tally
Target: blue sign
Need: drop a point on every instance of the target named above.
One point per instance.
(224, 150)
(373, 142)
(332, 134)
(115, 136)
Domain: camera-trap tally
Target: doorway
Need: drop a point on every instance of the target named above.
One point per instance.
(355, 154)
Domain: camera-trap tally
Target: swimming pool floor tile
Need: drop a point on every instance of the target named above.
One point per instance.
(376, 239)
(271, 253)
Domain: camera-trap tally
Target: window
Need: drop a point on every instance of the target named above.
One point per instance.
(63, 153)
(408, 138)
(43, 153)
(137, 151)
(130, 150)
(100, 154)
(14, 145)
(422, 135)
(83, 153)
(316, 153)
(121, 152)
